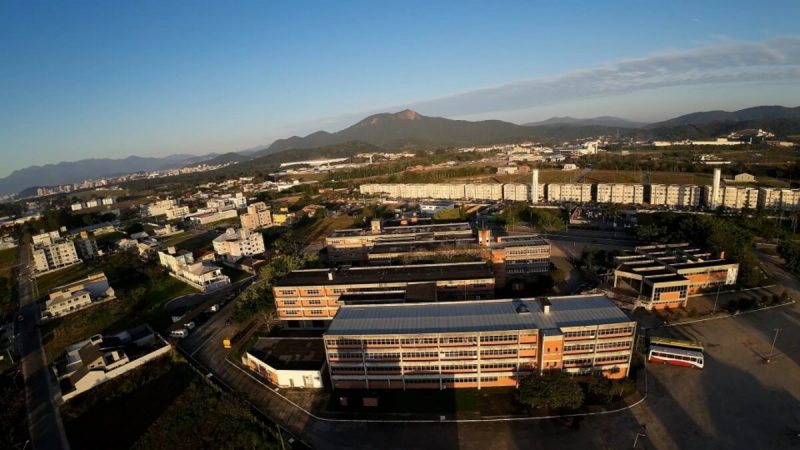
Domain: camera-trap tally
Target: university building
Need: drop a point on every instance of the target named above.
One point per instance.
(478, 344)
(310, 298)
(665, 275)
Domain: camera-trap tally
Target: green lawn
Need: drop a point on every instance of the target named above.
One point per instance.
(234, 274)
(174, 408)
(143, 305)
(60, 277)
(8, 257)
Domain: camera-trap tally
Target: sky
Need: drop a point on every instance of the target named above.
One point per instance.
(150, 78)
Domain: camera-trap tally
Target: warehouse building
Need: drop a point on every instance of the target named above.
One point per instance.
(482, 344)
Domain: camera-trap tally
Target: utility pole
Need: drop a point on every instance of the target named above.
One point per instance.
(772, 349)
(714, 311)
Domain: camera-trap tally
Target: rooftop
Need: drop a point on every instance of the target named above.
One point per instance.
(388, 274)
(475, 316)
(283, 353)
(406, 229)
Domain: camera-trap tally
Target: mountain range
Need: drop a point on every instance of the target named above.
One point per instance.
(409, 130)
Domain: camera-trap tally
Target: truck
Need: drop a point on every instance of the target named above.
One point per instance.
(180, 333)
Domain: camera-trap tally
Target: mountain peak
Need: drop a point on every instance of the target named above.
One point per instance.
(407, 114)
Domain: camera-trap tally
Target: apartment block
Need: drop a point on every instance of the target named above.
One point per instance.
(664, 275)
(621, 193)
(480, 344)
(516, 192)
(53, 256)
(569, 192)
(258, 216)
(739, 197)
(310, 298)
(234, 244)
(86, 245)
(72, 297)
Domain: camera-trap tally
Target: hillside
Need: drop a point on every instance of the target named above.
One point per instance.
(410, 130)
(602, 121)
(77, 171)
(743, 115)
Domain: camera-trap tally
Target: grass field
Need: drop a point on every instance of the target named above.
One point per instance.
(319, 229)
(612, 176)
(63, 276)
(679, 178)
(174, 407)
(114, 316)
(8, 257)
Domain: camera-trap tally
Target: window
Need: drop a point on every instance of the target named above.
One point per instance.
(381, 341)
(617, 330)
(289, 302)
(315, 302)
(499, 338)
(312, 291)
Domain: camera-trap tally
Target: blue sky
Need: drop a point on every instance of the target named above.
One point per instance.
(110, 79)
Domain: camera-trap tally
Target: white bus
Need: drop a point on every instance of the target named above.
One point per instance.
(675, 356)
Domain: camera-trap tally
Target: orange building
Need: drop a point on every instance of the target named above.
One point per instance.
(310, 298)
(479, 344)
(665, 275)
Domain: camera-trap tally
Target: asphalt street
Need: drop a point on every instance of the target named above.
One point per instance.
(42, 395)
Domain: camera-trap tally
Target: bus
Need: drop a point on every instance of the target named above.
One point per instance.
(677, 343)
(675, 356)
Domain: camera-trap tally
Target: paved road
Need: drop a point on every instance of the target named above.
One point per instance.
(42, 395)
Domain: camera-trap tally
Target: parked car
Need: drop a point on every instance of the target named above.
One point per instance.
(180, 333)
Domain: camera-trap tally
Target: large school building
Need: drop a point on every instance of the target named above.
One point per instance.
(477, 344)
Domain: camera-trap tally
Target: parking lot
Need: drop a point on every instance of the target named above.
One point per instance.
(737, 400)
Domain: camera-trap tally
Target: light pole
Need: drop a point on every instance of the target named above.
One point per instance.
(636, 439)
(772, 349)
(714, 311)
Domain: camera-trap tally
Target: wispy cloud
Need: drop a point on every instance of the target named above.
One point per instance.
(719, 62)
(774, 60)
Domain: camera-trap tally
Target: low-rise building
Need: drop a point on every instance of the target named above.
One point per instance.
(663, 276)
(214, 216)
(78, 295)
(98, 359)
(288, 362)
(481, 344)
(202, 275)
(234, 244)
(621, 193)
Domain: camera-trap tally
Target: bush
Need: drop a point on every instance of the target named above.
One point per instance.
(693, 312)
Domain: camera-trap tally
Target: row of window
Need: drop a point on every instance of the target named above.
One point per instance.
(422, 341)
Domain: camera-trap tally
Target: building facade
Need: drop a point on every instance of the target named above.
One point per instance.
(492, 343)
(310, 298)
(258, 216)
(236, 244)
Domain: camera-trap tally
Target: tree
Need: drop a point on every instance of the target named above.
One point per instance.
(553, 390)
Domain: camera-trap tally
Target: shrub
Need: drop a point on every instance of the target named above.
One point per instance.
(557, 390)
